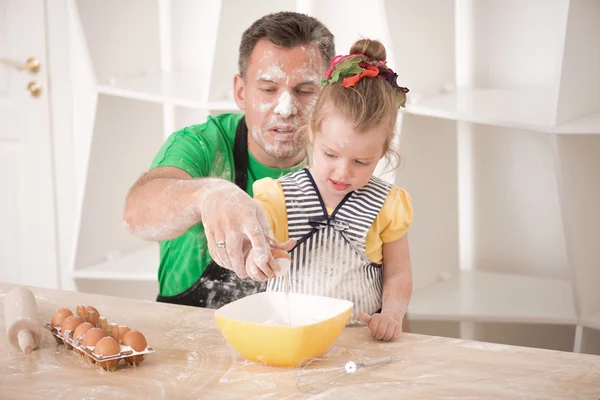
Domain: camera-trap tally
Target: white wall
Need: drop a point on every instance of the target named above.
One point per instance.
(517, 215)
(428, 172)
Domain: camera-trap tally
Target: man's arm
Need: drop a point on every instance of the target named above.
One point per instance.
(163, 204)
(167, 201)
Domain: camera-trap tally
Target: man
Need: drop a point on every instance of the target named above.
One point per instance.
(196, 198)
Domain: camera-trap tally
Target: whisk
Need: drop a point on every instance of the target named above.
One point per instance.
(317, 379)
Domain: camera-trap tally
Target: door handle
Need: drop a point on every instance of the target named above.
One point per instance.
(34, 89)
(32, 64)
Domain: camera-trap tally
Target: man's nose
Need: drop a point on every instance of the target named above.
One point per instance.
(286, 106)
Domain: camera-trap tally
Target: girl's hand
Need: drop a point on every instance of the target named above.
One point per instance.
(382, 326)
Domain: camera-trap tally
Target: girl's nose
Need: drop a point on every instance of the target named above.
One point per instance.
(344, 170)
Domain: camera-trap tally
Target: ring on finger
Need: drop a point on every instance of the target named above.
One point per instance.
(220, 244)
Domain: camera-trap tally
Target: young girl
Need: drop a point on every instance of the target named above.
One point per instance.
(349, 226)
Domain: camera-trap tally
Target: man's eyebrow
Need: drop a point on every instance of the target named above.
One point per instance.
(309, 81)
(266, 80)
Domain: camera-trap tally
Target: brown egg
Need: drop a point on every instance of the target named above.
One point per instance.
(91, 337)
(70, 323)
(107, 346)
(82, 329)
(59, 316)
(122, 331)
(136, 341)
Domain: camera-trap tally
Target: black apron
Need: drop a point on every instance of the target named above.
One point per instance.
(219, 286)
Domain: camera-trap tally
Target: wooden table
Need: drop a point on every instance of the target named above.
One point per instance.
(193, 360)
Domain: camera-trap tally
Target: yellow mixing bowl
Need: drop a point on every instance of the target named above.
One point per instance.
(257, 326)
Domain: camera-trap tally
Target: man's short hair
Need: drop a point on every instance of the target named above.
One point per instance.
(287, 30)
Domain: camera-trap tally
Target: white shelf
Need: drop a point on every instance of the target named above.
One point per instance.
(494, 297)
(139, 265)
(592, 321)
(589, 123)
(185, 89)
(522, 109)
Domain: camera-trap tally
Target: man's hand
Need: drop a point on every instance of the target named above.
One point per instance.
(234, 223)
(261, 274)
(382, 326)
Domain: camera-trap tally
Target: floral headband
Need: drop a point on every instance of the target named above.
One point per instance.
(354, 67)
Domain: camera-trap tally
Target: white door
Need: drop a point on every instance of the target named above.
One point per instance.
(27, 214)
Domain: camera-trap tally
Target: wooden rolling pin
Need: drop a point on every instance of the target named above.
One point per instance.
(23, 327)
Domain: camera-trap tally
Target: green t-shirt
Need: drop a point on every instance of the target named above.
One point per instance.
(204, 150)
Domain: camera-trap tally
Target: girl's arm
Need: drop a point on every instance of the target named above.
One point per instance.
(397, 278)
(397, 289)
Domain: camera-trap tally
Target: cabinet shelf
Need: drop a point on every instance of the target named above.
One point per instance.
(185, 89)
(494, 297)
(140, 265)
(592, 321)
(522, 109)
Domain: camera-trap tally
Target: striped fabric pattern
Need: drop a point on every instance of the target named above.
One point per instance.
(329, 258)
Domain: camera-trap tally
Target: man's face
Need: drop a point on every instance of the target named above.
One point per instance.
(277, 96)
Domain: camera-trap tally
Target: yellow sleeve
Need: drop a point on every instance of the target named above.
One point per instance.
(395, 215)
(391, 223)
(269, 195)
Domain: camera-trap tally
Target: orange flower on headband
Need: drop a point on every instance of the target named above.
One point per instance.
(369, 71)
(352, 68)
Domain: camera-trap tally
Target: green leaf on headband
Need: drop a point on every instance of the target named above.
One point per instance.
(346, 67)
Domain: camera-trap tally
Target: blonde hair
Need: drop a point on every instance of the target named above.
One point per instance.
(369, 103)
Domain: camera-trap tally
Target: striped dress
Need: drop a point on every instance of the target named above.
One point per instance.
(330, 254)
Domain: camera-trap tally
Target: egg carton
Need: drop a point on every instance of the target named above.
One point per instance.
(129, 355)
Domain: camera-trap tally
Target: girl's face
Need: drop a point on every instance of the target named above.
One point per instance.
(343, 159)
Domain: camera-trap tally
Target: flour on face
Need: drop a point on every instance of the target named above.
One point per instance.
(286, 106)
(274, 73)
(283, 86)
(279, 148)
(263, 106)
